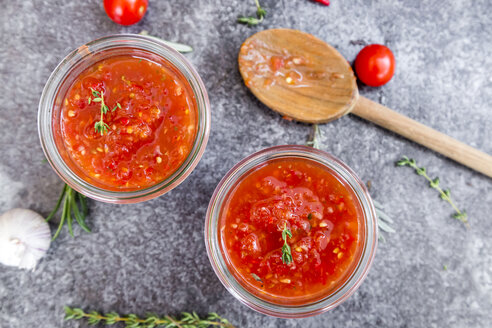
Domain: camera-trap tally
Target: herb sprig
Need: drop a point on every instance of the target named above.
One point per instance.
(434, 183)
(187, 320)
(100, 126)
(252, 21)
(286, 251)
(71, 200)
(384, 220)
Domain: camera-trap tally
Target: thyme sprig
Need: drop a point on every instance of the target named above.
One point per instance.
(252, 21)
(100, 126)
(187, 319)
(71, 200)
(434, 183)
(286, 251)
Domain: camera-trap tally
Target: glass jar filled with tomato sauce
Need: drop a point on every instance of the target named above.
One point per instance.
(124, 119)
(291, 231)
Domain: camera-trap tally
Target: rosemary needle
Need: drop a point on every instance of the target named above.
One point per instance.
(71, 200)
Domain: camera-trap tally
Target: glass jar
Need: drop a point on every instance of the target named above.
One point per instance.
(368, 232)
(86, 56)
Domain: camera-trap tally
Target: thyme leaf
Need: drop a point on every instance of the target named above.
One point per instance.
(434, 183)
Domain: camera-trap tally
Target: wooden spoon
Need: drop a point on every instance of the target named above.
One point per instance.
(304, 78)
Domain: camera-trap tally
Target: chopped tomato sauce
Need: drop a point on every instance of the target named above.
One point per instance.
(151, 122)
(262, 66)
(323, 216)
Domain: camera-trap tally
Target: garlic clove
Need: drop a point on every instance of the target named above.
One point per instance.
(24, 238)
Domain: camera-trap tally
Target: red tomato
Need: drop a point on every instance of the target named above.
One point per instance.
(375, 65)
(125, 12)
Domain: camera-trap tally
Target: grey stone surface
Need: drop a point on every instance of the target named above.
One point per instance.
(151, 256)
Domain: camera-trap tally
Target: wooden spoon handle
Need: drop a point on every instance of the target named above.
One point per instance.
(424, 135)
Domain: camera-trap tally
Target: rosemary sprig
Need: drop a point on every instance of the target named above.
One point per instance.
(100, 126)
(434, 183)
(315, 137)
(252, 21)
(71, 200)
(187, 319)
(286, 252)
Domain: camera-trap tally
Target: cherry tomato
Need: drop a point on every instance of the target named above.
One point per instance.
(375, 65)
(125, 12)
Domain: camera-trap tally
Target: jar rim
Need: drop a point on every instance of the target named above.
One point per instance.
(216, 256)
(151, 45)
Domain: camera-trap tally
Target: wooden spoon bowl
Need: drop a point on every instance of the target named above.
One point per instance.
(325, 88)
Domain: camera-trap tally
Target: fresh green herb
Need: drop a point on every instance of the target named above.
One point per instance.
(445, 267)
(286, 252)
(384, 220)
(434, 183)
(256, 277)
(44, 161)
(71, 200)
(187, 320)
(100, 126)
(315, 137)
(310, 216)
(252, 21)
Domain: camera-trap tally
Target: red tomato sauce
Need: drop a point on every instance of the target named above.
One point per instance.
(151, 122)
(322, 215)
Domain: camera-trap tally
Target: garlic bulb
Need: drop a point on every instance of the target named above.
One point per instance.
(24, 238)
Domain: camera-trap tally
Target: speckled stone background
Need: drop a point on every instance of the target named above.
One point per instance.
(151, 256)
